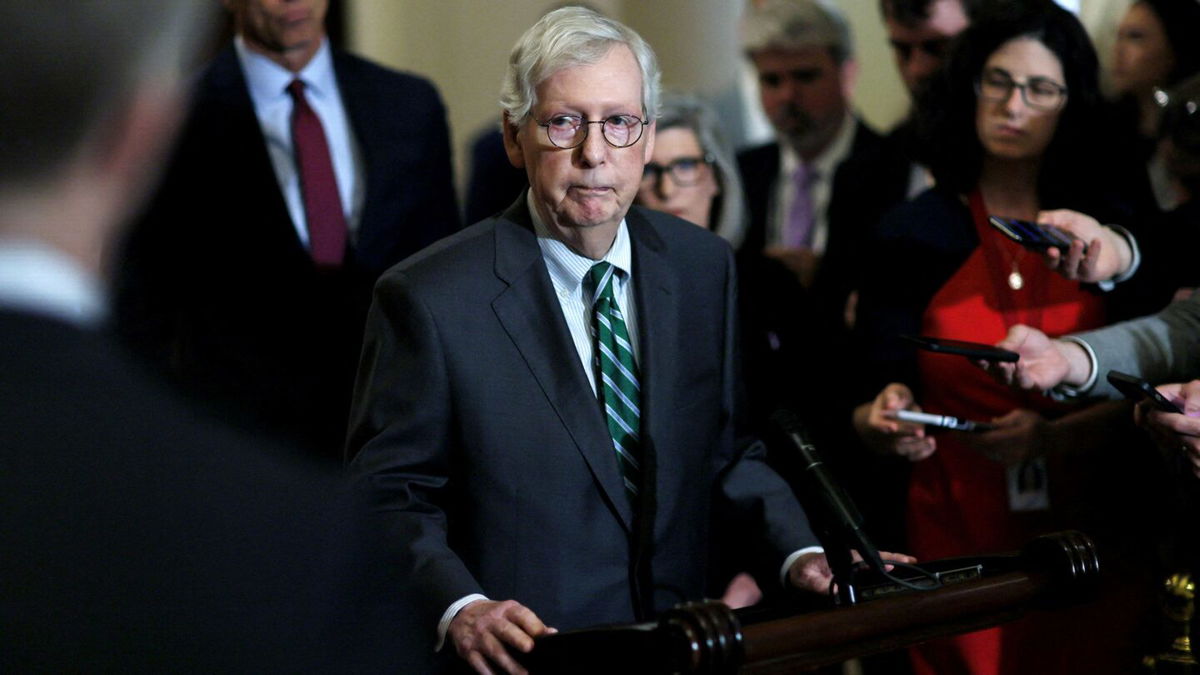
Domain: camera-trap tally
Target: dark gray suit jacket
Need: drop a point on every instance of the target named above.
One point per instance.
(484, 446)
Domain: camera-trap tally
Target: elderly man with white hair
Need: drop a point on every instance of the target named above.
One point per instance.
(545, 410)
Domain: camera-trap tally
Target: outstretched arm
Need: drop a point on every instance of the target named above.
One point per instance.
(1111, 252)
(1044, 363)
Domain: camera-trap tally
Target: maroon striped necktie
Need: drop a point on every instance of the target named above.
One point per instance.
(318, 183)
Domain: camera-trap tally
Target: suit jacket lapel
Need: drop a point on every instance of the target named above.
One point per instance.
(230, 121)
(361, 105)
(531, 315)
(658, 318)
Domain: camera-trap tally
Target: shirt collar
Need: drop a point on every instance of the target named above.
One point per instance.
(36, 278)
(567, 268)
(268, 80)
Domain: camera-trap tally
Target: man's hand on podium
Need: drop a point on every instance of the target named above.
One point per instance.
(482, 629)
(811, 571)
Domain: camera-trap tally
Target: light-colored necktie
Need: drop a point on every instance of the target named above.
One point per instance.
(798, 232)
(618, 387)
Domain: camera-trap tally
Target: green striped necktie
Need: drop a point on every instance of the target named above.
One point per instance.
(618, 387)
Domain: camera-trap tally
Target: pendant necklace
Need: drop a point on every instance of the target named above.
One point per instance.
(1015, 280)
(1018, 294)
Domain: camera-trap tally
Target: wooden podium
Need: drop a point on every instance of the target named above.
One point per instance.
(708, 637)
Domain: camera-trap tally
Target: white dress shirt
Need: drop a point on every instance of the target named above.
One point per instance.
(268, 82)
(784, 192)
(36, 278)
(567, 271)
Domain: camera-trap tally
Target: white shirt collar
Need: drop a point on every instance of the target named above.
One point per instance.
(567, 268)
(36, 278)
(268, 80)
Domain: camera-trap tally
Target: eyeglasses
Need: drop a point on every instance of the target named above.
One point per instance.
(1037, 92)
(570, 131)
(684, 171)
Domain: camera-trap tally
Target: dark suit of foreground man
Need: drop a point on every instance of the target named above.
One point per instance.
(477, 424)
(135, 534)
(219, 285)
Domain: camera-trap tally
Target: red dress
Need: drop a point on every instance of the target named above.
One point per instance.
(958, 499)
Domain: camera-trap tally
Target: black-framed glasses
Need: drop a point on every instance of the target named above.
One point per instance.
(684, 171)
(570, 131)
(1038, 92)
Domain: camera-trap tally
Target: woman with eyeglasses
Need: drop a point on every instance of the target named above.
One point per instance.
(1009, 134)
(692, 173)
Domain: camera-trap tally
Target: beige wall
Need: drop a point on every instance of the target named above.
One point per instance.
(462, 45)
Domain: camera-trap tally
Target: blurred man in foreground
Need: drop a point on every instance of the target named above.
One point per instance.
(135, 536)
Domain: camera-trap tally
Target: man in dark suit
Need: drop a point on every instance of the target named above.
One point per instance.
(526, 443)
(797, 188)
(249, 277)
(813, 197)
(135, 535)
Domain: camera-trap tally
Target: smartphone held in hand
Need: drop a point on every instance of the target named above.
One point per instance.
(1136, 389)
(1036, 236)
(974, 350)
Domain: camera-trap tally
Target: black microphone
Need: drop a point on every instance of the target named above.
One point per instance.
(838, 505)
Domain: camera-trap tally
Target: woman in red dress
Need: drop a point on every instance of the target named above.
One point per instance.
(1013, 119)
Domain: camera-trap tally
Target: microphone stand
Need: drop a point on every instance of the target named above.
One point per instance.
(845, 519)
(842, 564)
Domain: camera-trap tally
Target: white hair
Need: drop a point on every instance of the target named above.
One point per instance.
(796, 24)
(681, 111)
(566, 37)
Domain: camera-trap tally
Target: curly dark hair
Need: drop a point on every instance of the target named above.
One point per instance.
(946, 119)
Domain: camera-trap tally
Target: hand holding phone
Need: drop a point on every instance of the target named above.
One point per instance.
(974, 350)
(943, 421)
(1136, 389)
(1106, 258)
(1034, 235)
